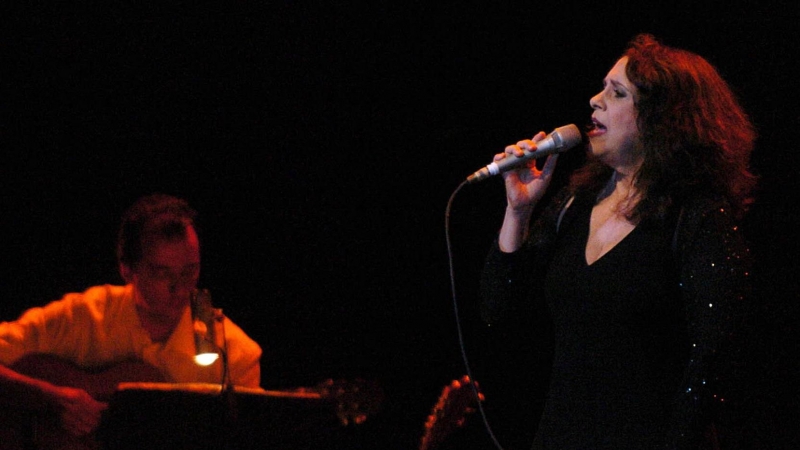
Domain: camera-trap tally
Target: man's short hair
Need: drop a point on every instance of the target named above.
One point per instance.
(150, 218)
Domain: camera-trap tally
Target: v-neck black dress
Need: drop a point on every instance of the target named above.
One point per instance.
(619, 340)
(643, 340)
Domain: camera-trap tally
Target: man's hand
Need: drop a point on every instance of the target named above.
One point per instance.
(79, 412)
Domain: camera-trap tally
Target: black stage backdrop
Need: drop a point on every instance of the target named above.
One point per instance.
(321, 141)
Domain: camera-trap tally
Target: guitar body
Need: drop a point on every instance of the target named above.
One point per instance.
(349, 402)
(100, 383)
(29, 429)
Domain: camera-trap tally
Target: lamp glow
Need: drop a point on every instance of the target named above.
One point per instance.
(209, 335)
(206, 359)
(204, 319)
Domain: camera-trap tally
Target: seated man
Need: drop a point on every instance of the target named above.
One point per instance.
(148, 320)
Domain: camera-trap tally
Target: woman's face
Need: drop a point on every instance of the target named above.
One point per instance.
(614, 135)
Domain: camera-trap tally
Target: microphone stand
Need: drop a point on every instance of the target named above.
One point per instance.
(227, 383)
(209, 325)
(219, 319)
(227, 393)
(207, 320)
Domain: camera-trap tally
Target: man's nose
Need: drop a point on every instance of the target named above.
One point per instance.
(181, 285)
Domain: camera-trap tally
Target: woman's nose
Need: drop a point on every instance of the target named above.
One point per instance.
(596, 101)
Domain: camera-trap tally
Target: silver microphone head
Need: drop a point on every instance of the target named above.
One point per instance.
(566, 137)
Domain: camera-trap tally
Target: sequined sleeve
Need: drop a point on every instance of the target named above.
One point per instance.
(715, 270)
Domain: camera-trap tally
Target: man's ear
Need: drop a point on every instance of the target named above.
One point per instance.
(127, 272)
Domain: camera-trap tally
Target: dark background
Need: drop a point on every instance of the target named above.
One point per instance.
(321, 143)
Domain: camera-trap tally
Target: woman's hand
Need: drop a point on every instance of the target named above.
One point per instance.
(526, 185)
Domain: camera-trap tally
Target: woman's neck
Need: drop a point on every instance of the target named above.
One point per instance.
(620, 192)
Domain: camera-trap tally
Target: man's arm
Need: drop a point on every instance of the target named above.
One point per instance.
(244, 356)
(79, 412)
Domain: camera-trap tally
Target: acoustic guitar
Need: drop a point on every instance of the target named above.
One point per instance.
(42, 430)
(352, 402)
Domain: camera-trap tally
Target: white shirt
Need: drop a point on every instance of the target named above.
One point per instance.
(100, 327)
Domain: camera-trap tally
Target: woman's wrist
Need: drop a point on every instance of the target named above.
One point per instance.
(520, 212)
(515, 228)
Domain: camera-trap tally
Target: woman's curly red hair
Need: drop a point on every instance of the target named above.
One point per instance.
(694, 135)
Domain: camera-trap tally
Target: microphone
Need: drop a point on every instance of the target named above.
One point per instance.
(209, 335)
(560, 140)
(204, 316)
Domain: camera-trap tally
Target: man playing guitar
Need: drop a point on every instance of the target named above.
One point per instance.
(148, 321)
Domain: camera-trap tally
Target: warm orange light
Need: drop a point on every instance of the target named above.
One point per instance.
(206, 359)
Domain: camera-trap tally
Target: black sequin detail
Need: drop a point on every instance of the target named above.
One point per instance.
(711, 275)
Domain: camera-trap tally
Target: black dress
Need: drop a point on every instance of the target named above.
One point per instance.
(640, 348)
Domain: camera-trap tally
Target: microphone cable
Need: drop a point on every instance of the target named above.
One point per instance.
(460, 333)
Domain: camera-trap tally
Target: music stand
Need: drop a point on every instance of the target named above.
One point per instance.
(203, 416)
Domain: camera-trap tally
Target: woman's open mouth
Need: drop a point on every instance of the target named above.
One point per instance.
(595, 128)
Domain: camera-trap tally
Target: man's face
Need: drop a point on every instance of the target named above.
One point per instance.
(167, 275)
